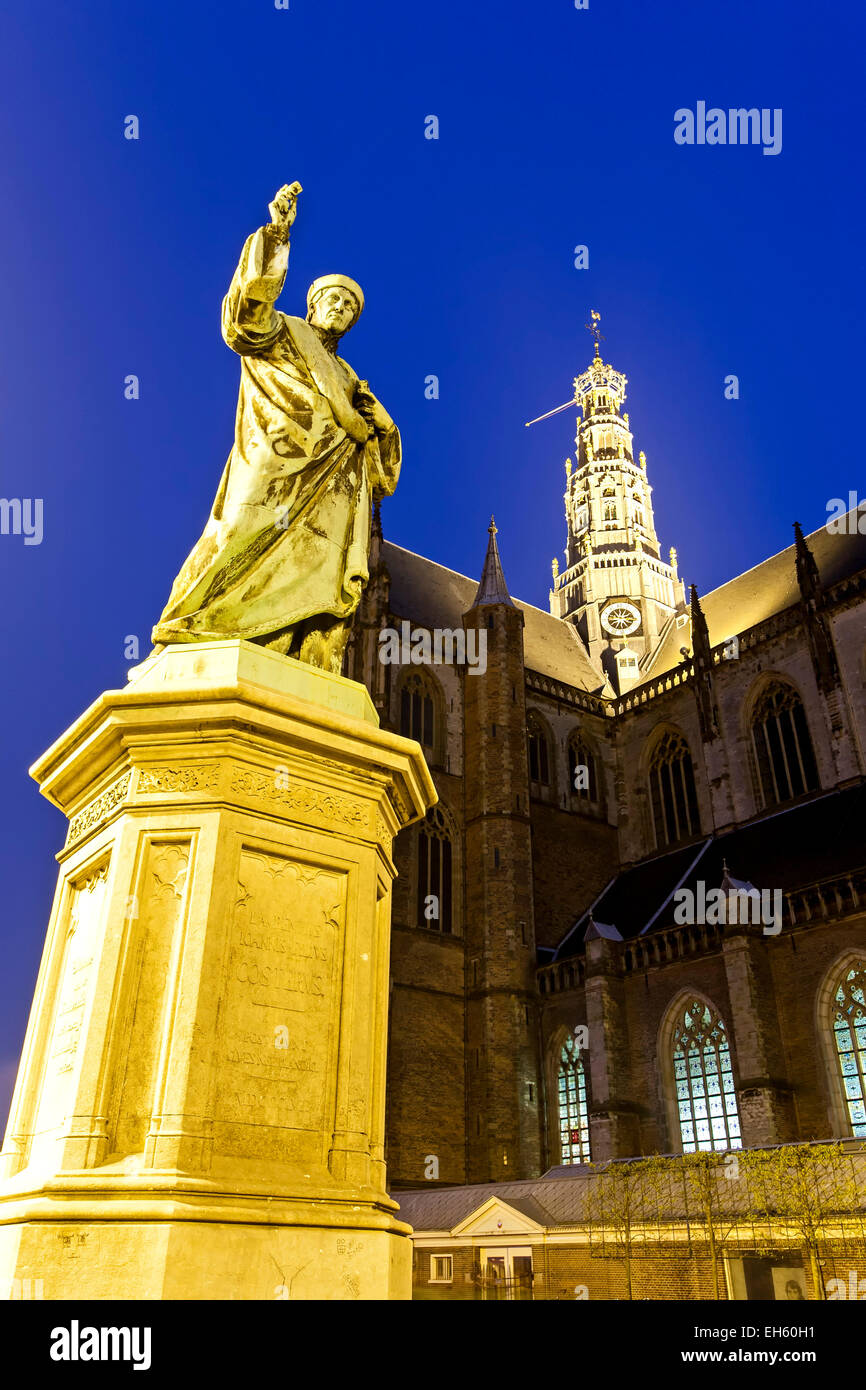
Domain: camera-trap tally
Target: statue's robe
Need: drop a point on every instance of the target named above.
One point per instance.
(289, 533)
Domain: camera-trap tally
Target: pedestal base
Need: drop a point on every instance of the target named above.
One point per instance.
(199, 1111)
(149, 1256)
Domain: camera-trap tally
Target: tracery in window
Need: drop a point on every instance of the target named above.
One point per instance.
(417, 711)
(849, 1034)
(582, 773)
(706, 1098)
(573, 1110)
(672, 791)
(784, 755)
(434, 872)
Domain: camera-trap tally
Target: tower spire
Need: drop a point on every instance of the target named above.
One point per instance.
(614, 587)
(492, 588)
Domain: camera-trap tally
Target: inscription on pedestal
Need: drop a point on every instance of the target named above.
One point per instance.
(280, 1012)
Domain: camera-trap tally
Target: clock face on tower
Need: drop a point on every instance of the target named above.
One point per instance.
(620, 619)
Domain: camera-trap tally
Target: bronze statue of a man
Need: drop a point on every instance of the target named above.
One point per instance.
(283, 558)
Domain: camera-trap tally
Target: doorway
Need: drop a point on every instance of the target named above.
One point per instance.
(506, 1272)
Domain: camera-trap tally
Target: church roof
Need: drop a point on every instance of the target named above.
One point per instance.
(548, 1201)
(787, 848)
(759, 593)
(433, 596)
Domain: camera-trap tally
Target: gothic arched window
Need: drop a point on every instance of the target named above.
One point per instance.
(417, 712)
(573, 1111)
(783, 748)
(609, 511)
(582, 773)
(706, 1099)
(672, 791)
(434, 872)
(849, 1034)
(539, 759)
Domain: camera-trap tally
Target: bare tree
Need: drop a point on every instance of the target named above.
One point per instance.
(810, 1190)
(624, 1208)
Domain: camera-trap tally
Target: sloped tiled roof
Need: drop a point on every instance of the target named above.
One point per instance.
(786, 849)
(548, 1201)
(433, 596)
(759, 593)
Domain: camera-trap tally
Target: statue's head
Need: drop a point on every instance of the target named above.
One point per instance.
(334, 303)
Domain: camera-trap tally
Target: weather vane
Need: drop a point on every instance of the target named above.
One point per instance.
(597, 334)
(594, 329)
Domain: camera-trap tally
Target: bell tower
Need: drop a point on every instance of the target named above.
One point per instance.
(615, 587)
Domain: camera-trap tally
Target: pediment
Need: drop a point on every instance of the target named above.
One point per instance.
(496, 1218)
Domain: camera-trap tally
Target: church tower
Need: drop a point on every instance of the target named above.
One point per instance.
(503, 1078)
(615, 587)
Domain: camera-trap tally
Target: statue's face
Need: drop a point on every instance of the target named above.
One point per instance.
(335, 310)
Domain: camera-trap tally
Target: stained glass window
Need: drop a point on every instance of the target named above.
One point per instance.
(573, 1112)
(706, 1099)
(849, 1030)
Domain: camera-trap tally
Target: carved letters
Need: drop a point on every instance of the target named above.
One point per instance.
(280, 1011)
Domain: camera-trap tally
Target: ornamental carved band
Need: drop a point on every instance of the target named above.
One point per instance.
(265, 786)
(179, 779)
(99, 809)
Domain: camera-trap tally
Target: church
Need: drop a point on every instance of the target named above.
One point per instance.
(562, 991)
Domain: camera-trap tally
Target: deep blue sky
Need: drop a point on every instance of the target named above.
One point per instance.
(556, 129)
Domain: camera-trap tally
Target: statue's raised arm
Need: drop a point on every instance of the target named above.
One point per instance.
(283, 558)
(249, 321)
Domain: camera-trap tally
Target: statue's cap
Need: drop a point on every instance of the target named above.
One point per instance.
(342, 282)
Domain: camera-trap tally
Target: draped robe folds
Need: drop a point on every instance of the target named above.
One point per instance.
(288, 536)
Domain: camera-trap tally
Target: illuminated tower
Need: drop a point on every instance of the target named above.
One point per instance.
(615, 587)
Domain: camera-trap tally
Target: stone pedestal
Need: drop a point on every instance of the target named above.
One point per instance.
(199, 1111)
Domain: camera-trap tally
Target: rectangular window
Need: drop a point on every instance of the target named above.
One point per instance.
(441, 1269)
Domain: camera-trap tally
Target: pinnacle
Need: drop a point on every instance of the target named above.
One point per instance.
(492, 587)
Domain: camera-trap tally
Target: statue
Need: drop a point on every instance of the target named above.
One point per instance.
(283, 557)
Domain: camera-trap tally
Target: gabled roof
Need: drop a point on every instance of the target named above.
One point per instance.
(547, 1202)
(433, 596)
(519, 1214)
(760, 593)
